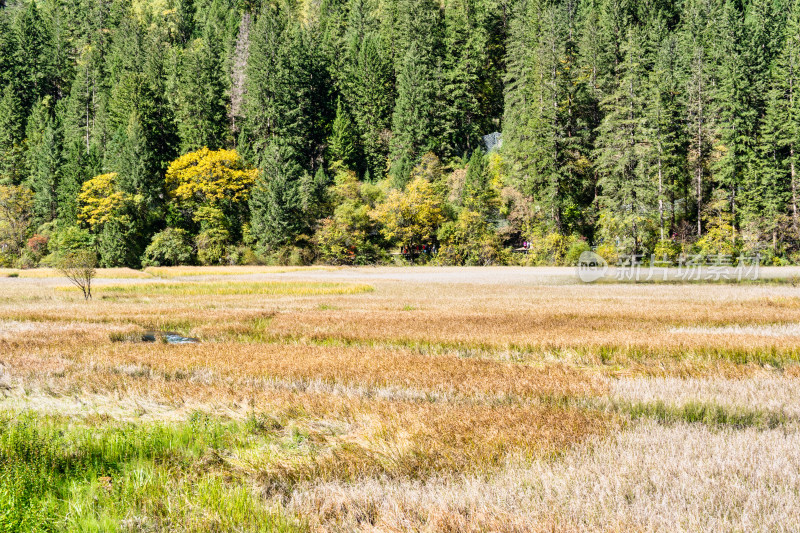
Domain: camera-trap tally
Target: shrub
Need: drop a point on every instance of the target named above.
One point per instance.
(65, 240)
(547, 249)
(37, 245)
(667, 249)
(469, 241)
(120, 243)
(608, 252)
(575, 250)
(211, 245)
(168, 248)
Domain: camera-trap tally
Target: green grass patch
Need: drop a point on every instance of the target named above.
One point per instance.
(233, 288)
(709, 414)
(60, 475)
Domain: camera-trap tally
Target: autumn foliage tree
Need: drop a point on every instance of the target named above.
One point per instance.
(202, 182)
(100, 200)
(411, 217)
(208, 191)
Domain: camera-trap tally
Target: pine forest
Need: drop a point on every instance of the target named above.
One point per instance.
(451, 132)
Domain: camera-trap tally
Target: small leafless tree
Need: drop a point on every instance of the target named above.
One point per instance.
(80, 267)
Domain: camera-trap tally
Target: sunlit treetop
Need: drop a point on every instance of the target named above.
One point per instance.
(99, 200)
(209, 177)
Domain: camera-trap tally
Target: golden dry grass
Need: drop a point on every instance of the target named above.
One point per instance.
(404, 383)
(105, 273)
(194, 271)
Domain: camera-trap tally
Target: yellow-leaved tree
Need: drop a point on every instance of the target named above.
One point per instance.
(413, 216)
(209, 178)
(210, 188)
(99, 200)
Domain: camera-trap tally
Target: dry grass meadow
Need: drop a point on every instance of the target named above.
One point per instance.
(383, 399)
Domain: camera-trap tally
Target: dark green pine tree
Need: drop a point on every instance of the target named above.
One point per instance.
(185, 13)
(368, 90)
(696, 36)
(84, 129)
(142, 131)
(772, 192)
(276, 212)
(418, 119)
(33, 57)
(12, 137)
(627, 198)
(7, 48)
(736, 117)
(520, 98)
(547, 134)
(776, 187)
(342, 141)
(134, 156)
(465, 45)
(667, 151)
(44, 161)
(200, 96)
(284, 101)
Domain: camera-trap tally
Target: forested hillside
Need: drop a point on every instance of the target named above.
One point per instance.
(217, 131)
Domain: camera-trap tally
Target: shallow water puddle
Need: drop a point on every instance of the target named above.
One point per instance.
(169, 337)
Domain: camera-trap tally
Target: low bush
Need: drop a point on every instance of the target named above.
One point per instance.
(168, 248)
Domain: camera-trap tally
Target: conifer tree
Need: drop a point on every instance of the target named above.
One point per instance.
(417, 122)
(341, 143)
(627, 195)
(276, 211)
(465, 44)
(368, 90)
(33, 57)
(478, 195)
(12, 127)
(736, 119)
(667, 151)
(280, 103)
(695, 36)
(200, 99)
(44, 161)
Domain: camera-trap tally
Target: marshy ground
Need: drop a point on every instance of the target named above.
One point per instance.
(502, 399)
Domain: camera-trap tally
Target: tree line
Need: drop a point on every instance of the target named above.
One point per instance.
(239, 131)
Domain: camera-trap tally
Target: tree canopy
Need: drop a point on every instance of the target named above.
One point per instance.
(630, 127)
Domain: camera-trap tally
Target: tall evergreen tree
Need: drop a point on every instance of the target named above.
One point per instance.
(277, 217)
(368, 90)
(12, 137)
(200, 96)
(736, 118)
(33, 57)
(696, 40)
(44, 161)
(627, 198)
(341, 144)
(465, 46)
(667, 153)
(417, 122)
(283, 101)
(551, 140)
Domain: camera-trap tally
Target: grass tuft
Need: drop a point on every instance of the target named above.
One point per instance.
(268, 288)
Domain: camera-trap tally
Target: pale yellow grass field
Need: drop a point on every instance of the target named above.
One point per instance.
(104, 273)
(443, 405)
